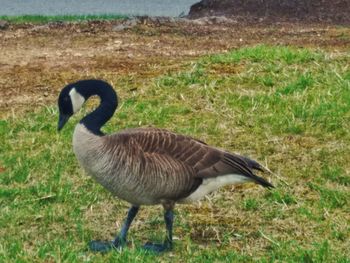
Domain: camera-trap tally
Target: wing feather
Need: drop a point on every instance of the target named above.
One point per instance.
(202, 160)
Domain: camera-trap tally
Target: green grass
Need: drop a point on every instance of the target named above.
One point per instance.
(289, 107)
(42, 19)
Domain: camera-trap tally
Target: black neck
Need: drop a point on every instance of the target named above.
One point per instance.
(109, 102)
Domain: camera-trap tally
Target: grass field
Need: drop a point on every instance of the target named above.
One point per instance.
(287, 107)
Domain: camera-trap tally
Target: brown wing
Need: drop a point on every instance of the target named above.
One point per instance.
(203, 160)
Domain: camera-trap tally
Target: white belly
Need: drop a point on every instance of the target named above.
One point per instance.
(211, 184)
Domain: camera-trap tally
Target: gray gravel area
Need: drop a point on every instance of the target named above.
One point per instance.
(77, 7)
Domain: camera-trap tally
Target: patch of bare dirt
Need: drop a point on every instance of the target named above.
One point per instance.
(336, 11)
(37, 60)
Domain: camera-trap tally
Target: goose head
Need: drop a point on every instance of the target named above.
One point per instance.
(70, 100)
(73, 96)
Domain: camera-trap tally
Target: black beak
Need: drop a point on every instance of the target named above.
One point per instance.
(62, 121)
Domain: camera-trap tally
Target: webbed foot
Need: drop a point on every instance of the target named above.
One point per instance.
(105, 246)
(100, 246)
(157, 248)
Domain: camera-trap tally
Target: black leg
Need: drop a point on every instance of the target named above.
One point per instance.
(168, 242)
(169, 220)
(120, 240)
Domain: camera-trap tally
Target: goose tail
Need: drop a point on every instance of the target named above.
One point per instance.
(257, 166)
(262, 181)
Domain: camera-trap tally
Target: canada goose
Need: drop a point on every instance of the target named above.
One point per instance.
(146, 166)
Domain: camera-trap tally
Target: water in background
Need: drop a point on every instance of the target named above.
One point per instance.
(123, 7)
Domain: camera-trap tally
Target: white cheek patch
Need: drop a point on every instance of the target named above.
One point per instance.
(77, 100)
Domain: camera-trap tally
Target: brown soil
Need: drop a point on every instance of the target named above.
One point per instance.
(37, 60)
(335, 11)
